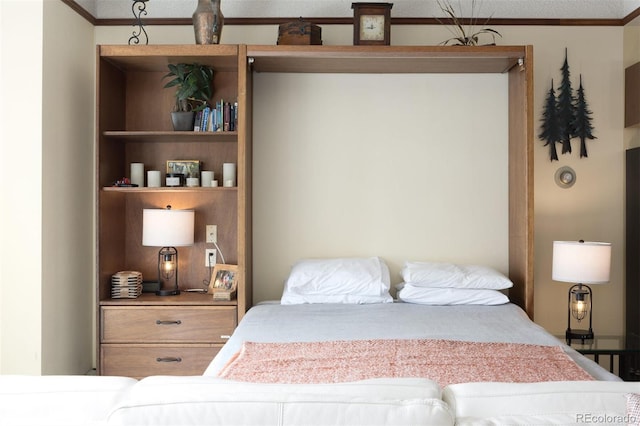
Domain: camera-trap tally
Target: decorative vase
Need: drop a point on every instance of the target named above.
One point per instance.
(182, 121)
(208, 21)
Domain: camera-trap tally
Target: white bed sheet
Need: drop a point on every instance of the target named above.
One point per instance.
(272, 322)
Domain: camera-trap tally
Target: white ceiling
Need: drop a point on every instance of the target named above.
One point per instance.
(513, 9)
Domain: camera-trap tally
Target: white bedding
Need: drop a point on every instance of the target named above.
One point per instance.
(272, 322)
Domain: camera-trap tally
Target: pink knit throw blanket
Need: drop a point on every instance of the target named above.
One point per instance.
(444, 361)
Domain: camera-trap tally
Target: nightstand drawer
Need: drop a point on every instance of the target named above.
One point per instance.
(167, 324)
(150, 360)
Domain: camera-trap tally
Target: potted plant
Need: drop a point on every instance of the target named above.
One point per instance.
(469, 36)
(194, 88)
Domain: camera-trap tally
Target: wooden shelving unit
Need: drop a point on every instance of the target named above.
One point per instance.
(133, 125)
(516, 61)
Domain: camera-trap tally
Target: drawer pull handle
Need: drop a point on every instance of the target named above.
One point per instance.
(169, 359)
(225, 336)
(178, 322)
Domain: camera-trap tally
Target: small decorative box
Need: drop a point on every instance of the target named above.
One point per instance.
(299, 32)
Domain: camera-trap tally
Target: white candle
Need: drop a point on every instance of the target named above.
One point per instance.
(191, 181)
(229, 174)
(214, 183)
(153, 178)
(137, 174)
(206, 176)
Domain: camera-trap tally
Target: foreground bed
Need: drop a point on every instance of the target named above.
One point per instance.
(201, 400)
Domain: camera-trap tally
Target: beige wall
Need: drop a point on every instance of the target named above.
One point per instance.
(592, 209)
(67, 191)
(21, 155)
(378, 165)
(46, 267)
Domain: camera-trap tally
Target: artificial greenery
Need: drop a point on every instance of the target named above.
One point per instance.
(466, 36)
(194, 84)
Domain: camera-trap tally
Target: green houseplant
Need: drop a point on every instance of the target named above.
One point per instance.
(194, 88)
(470, 35)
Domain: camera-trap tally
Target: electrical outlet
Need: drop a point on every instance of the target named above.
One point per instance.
(212, 234)
(210, 257)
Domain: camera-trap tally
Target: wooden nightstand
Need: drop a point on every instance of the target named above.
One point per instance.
(154, 335)
(620, 352)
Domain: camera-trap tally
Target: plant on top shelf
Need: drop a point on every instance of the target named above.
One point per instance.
(470, 35)
(194, 88)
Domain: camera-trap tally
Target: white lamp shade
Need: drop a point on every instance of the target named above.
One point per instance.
(581, 262)
(167, 228)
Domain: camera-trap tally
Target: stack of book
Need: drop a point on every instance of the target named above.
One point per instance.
(223, 117)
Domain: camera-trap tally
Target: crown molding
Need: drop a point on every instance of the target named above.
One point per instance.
(348, 21)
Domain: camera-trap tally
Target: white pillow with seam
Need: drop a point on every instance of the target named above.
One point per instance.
(338, 280)
(410, 293)
(442, 274)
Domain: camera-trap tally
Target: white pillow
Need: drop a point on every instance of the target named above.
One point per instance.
(340, 280)
(436, 274)
(411, 293)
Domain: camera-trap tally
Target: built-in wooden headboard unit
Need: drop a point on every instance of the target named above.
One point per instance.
(514, 61)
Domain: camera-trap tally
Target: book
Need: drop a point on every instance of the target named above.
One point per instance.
(197, 122)
(205, 119)
(226, 116)
(210, 125)
(235, 116)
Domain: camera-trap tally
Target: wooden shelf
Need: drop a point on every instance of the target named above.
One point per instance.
(157, 57)
(168, 189)
(184, 298)
(168, 136)
(385, 59)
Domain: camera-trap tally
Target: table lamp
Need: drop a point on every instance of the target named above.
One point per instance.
(168, 229)
(582, 263)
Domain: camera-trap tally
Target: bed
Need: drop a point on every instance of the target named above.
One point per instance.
(277, 323)
(345, 302)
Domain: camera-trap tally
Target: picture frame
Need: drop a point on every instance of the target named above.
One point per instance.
(224, 281)
(188, 168)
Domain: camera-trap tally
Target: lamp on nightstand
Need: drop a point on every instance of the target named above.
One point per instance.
(168, 229)
(582, 263)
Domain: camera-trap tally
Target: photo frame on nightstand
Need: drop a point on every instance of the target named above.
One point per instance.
(224, 281)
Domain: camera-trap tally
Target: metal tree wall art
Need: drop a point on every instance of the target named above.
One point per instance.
(566, 116)
(550, 130)
(582, 121)
(566, 107)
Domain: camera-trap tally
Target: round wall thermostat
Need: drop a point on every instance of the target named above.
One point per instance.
(565, 177)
